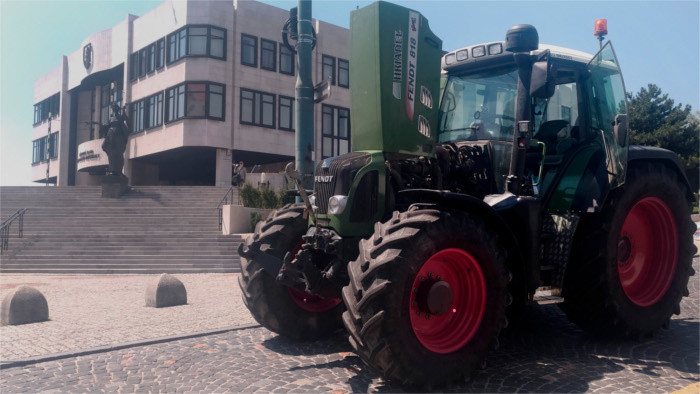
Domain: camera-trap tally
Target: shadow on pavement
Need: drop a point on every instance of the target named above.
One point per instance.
(542, 352)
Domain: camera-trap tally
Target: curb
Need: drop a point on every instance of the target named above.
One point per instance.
(109, 348)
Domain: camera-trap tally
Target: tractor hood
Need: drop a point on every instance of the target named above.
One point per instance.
(395, 74)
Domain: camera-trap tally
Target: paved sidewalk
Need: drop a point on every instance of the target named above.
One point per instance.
(87, 311)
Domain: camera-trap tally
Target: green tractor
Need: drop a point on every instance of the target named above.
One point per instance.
(467, 190)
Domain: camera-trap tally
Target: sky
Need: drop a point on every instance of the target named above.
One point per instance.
(655, 41)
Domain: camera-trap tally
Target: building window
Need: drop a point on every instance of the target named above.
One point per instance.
(335, 125)
(195, 100)
(286, 113)
(268, 55)
(249, 50)
(197, 40)
(343, 73)
(51, 105)
(154, 111)
(217, 40)
(134, 66)
(160, 53)
(257, 108)
(137, 116)
(36, 151)
(286, 60)
(143, 57)
(109, 95)
(216, 101)
(328, 71)
(45, 148)
(151, 58)
(53, 145)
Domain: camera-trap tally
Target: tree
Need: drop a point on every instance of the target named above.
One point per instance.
(655, 120)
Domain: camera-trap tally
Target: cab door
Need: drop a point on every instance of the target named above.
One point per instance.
(607, 104)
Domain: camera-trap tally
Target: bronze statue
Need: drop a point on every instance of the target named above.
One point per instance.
(115, 141)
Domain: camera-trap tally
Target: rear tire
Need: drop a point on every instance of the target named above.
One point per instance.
(405, 259)
(288, 312)
(630, 264)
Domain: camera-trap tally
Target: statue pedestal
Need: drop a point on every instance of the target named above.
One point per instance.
(114, 186)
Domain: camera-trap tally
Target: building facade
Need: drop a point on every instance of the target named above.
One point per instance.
(204, 84)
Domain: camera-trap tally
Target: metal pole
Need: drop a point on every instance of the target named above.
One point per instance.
(304, 97)
(48, 151)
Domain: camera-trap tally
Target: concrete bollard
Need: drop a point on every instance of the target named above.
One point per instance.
(24, 305)
(167, 290)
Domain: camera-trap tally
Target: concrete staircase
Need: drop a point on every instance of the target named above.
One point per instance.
(151, 229)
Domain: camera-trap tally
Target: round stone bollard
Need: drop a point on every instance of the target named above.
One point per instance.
(24, 305)
(167, 290)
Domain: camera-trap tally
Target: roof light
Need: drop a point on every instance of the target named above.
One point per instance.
(495, 49)
(462, 55)
(449, 59)
(601, 27)
(478, 51)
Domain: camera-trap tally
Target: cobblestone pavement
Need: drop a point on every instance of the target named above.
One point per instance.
(546, 353)
(88, 311)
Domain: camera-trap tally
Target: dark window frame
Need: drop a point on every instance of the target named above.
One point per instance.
(42, 146)
(254, 63)
(291, 61)
(254, 108)
(347, 70)
(332, 68)
(147, 111)
(291, 113)
(176, 49)
(51, 104)
(264, 41)
(160, 53)
(333, 135)
(177, 96)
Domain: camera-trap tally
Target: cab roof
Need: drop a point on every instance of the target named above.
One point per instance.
(494, 51)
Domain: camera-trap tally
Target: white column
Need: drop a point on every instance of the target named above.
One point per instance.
(223, 167)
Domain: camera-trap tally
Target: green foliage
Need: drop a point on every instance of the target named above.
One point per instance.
(255, 217)
(655, 120)
(250, 196)
(269, 198)
(285, 198)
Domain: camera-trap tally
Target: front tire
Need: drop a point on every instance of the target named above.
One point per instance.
(630, 265)
(427, 296)
(286, 311)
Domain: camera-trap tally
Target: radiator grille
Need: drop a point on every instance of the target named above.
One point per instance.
(340, 169)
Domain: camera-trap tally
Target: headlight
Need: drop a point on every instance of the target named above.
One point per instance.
(449, 59)
(336, 204)
(495, 49)
(462, 55)
(478, 51)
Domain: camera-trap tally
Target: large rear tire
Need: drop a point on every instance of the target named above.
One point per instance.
(427, 296)
(286, 311)
(630, 265)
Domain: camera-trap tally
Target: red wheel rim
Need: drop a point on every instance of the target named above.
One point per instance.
(451, 330)
(647, 251)
(310, 302)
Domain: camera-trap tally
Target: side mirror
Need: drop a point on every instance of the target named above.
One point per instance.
(542, 82)
(620, 128)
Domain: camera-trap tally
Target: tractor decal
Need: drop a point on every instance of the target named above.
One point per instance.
(411, 62)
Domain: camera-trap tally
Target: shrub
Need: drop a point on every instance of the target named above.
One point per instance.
(269, 198)
(255, 217)
(250, 196)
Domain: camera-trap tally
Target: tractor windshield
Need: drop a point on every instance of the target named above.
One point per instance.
(479, 106)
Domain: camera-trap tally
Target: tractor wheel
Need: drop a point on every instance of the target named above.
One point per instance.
(630, 265)
(427, 296)
(286, 311)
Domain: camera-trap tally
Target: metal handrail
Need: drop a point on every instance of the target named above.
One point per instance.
(5, 228)
(224, 201)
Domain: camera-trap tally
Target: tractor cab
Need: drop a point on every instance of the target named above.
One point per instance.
(579, 100)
